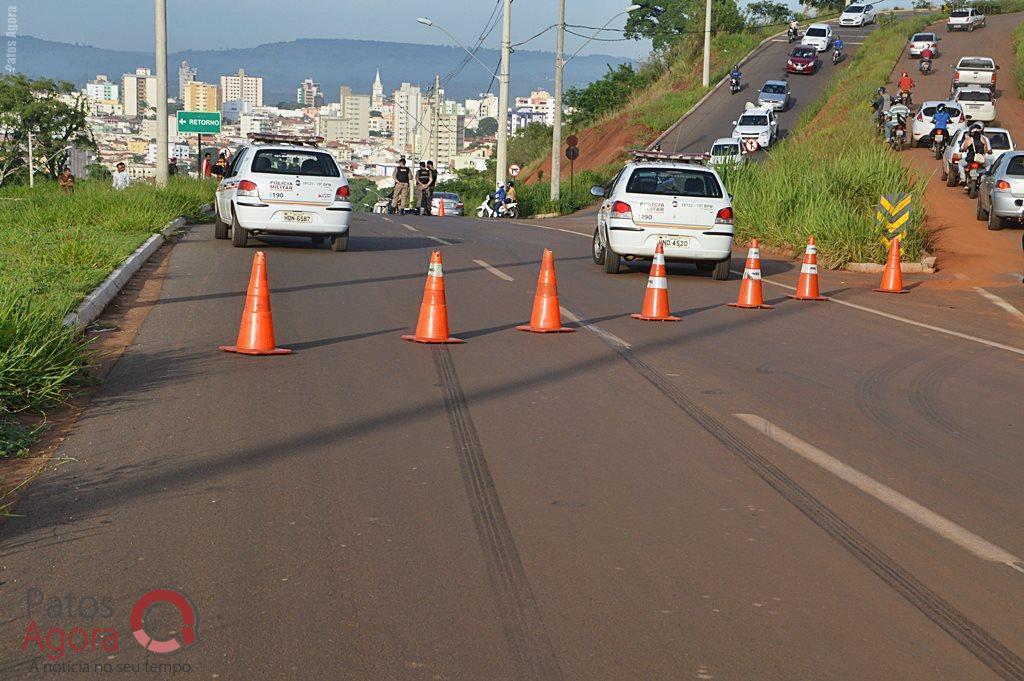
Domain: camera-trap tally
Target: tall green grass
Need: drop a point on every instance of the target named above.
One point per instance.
(826, 178)
(1018, 59)
(54, 249)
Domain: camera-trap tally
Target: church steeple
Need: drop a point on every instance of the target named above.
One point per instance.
(377, 100)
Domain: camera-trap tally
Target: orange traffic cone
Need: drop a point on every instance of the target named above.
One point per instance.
(892, 277)
(655, 307)
(807, 285)
(432, 326)
(547, 317)
(256, 333)
(750, 288)
(440, 208)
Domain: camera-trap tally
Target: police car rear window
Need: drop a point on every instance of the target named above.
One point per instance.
(294, 162)
(674, 182)
(961, 14)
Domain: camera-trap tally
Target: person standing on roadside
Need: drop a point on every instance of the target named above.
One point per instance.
(433, 186)
(121, 178)
(66, 181)
(423, 188)
(204, 169)
(172, 167)
(400, 195)
(220, 168)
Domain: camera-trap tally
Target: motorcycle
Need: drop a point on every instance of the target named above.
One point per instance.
(734, 85)
(939, 143)
(925, 67)
(793, 35)
(975, 169)
(490, 208)
(898, 137)
(837, 56)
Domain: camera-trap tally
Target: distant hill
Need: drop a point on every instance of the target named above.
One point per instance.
(330, 62)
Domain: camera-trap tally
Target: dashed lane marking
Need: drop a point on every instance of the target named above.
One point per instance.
(1000, 303)
(409, 227)
(385, 218)
(493, 270)
(944, 527)
(440, 240)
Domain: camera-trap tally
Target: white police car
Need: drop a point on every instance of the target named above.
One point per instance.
(284, 185)
(671, 198)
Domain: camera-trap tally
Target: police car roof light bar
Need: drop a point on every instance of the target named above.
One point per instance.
(284, 138)
(668, 157)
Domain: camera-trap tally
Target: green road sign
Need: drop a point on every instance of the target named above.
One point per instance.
(200, 122)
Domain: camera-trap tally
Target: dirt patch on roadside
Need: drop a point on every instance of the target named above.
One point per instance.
(599, 145)
(108, 338)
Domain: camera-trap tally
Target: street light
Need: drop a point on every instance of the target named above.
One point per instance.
(501, 76)
(556, 136)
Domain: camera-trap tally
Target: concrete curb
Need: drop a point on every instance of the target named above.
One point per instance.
(926, 266)
(92, 305)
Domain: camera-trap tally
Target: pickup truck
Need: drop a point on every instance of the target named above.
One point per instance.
(965, 20)
(974, 71)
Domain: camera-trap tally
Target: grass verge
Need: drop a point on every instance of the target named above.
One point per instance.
(826, 178)
(1018, 59)
(54, 249)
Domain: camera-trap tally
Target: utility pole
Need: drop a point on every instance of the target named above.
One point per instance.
(706, 78)
(437, 122)
(161, 93)
(556, 133)
(506, 51)
(31, 162)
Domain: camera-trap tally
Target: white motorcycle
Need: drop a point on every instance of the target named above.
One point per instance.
(490, 208)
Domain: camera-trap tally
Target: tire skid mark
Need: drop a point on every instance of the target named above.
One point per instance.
(977, 641)
(926, 401)
(872, 392)
(531, 650)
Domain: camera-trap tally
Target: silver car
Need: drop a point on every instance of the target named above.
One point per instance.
(999, 138)
(452, 204)
(774, 93)
(1001, 194)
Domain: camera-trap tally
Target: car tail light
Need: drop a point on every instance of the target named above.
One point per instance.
(247, 188)
(993, 79)
(458, 205)
(724, 216)
(920, 117)
(342, 193)
(621, 209)
(1002, 186)
(956, 75)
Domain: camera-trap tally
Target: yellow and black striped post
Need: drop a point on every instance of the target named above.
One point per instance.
(892, 215)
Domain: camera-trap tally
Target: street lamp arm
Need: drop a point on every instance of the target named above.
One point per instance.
(431, 24)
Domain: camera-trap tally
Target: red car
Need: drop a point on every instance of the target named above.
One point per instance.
(803, 59)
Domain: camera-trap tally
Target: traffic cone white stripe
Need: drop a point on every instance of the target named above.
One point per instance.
(659, 258)
(754, 253)
(751, 274)
(808, 268)
(812, 249)
(435, 270)
(657, 282)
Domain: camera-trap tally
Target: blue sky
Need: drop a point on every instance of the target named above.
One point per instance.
(199, 24)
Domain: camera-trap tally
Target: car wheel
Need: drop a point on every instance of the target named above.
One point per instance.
(220, 228)
(721, 271)
(980, 212)
(945, 174)
(951, 177)
(995, 223)
(612, 260)
(597, 250)
(339, 244)
(239, 236)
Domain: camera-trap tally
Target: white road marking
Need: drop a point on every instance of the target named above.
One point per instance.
(410, 227)
(1000, 303)
(440, 240)
(594, 328)
(493, 270)
(904, 320)
(944, 527)
(386, 219)
(553, 229)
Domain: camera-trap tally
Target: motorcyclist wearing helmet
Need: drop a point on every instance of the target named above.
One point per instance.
(735, 73)
(794, 28)
(896, 115)
(878, 104)
(838, 45)
(941, 119)
(974, 142)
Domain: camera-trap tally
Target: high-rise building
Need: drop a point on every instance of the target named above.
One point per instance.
(186, 75)
(309, 93)
(101, 90)
(351, 119)
(539, 101)
(138, 92)
(249, 123)
(442, 140)
(408, 101)
(239, 86)
(200, 97)
(377, 98)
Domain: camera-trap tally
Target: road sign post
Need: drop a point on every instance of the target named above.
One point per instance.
(514, 170)
(572, 152)
(892, 215)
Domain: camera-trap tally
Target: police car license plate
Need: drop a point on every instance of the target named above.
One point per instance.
(675, 242)
(296, 216)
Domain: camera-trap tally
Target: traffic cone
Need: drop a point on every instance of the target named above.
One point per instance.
(655, 307)
(750, 288)
(546, 317)
(807, 285)
(256, 333)
(892, 277)
(440, 208)
(432, 326)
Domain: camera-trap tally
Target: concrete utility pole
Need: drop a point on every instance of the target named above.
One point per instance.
(31, 162)
(506, 51)
(161, 93)
(706, 78)
(556, 133)
(437, 122)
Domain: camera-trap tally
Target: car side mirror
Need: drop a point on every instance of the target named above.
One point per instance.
(734, 122)
(597, 190)
(997, 67)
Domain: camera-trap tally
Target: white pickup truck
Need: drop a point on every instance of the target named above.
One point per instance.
(974, 71)
(965, 20)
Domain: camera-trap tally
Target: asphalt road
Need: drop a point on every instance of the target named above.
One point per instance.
(582, 506)
(698, 131)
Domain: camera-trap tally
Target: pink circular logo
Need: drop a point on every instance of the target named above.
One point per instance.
(189, 621)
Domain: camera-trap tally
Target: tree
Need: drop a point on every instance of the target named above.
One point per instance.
(666, 21)
(530, 143)
(97, 171)
(487, 127)
(767, 12)
(827, 5)
(53, 111)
